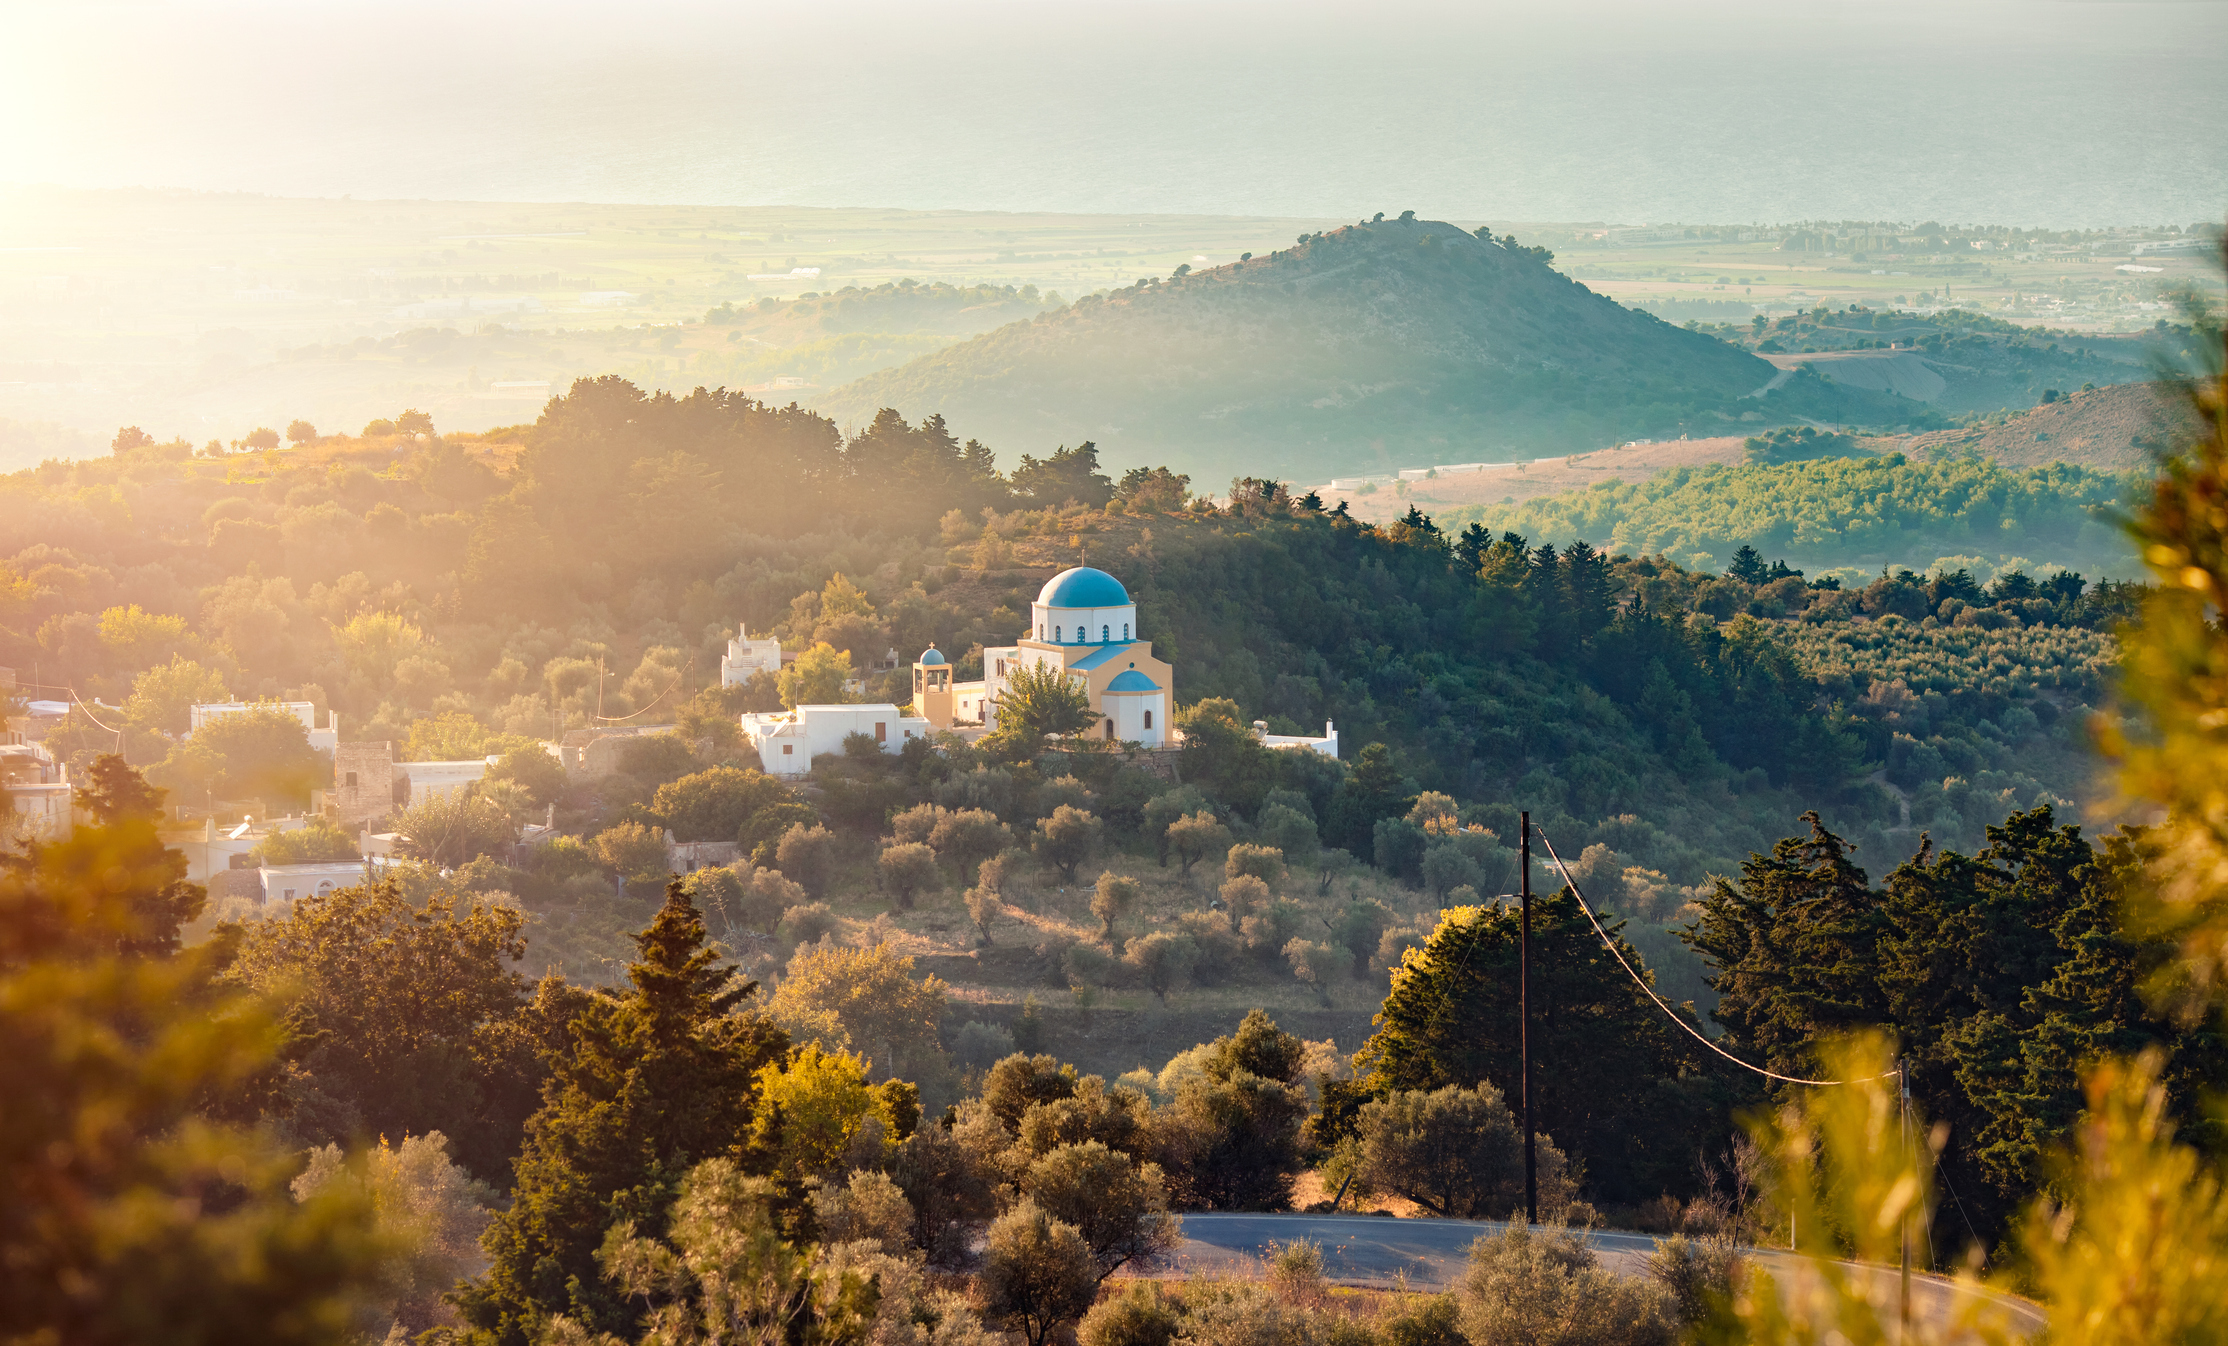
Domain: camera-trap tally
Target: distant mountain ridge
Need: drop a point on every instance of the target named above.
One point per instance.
(1378, 345)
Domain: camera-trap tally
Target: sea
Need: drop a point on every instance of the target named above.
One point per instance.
(2041, 113)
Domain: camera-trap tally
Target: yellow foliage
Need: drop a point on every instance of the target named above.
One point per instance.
(374, 642)
(872, 993)
(138, 638)
(816, 677)
(2141, 1253)
(841, 597)
(821, 1100)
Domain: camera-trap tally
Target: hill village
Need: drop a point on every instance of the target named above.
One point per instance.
(1082, 624)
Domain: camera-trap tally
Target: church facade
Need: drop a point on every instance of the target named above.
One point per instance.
(1084, 625)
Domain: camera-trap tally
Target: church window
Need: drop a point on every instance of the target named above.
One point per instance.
(1103, 636)
(1148, 719)
(1055, 635)
(1125, 630)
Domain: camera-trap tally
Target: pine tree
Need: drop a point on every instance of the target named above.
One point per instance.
(1612, 1080)
(1543, 585)
(1585, 590)
(1373, 789)
(1748, 566)
(1795, 948)
(1471, 547)
(652, 1083)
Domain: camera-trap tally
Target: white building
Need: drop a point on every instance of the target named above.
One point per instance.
(35, 793)
(746, 657)
(440, 780)
(1326, 745)
(324, 740)
(290, 883)
(1084, 624)
(788, 740)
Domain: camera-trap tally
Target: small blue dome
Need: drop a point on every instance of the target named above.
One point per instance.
(930, 656)
(1130, 680)
(1083, 587)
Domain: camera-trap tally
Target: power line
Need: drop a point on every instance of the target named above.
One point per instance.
(622, 719)
(1671, 1014)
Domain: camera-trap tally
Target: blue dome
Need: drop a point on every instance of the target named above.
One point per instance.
(1083, 587)
(930, 656)
(1130, 680)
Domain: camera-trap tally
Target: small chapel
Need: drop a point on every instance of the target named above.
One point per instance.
(1084, 624)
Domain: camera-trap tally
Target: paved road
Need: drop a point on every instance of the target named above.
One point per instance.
(1377, 1250)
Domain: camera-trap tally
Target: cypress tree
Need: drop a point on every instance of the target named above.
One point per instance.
(651, 1082)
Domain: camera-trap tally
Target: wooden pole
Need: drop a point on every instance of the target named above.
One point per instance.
(1903, 1127)
(1524, 1019)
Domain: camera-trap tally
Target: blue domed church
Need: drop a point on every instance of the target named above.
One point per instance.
(1084, 624)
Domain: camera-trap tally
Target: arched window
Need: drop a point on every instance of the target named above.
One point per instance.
(1040, 633)
(1055, 635)
(1125, 630)
(1148, 719)
(1104, 635)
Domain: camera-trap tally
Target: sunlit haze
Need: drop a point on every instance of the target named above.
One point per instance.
(2040, 114)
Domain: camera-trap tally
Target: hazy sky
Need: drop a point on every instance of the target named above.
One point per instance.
(2029, 113)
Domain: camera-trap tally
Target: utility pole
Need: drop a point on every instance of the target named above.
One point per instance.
(1524, 1018)
(1903, 1226)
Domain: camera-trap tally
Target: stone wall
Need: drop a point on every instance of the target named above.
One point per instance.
(363, 783)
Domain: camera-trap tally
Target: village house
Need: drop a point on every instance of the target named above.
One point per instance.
(746, 657)
(287, 884)
(35, 790)
(787, 741)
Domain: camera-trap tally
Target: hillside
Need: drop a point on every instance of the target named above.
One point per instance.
(1956, 360)
(1365, 348)
(2106, 429)
(444, 594)
(1508, 483)
(1856, 514)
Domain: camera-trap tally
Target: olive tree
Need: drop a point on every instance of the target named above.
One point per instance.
(1265, 863)
(908, 870)
(1164, 959)
(966, 838)
(1067, 838)
(1112, 899)
(1456, 1152)
(1037, 1273)
(1118, 1205)
(1196, 836)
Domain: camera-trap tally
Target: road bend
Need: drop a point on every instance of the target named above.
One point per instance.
(1431, 1255)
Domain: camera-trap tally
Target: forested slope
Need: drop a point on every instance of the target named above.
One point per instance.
(604, 555)
(1843, 512)
(1381, 343)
